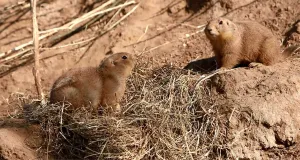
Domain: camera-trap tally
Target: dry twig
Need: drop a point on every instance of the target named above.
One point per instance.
(169, 42)
(68, 26)
(36, 72)
(23, 55)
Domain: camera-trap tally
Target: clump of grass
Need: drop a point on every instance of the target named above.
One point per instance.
(165, 115)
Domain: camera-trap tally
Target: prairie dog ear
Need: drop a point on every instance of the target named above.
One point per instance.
(106, 63)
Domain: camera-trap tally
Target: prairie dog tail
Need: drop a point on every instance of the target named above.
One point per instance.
(290, 50)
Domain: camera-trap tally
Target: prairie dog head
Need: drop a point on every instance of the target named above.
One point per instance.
(120, 64)
(220, 28)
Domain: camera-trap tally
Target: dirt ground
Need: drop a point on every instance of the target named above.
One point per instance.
(158, 31)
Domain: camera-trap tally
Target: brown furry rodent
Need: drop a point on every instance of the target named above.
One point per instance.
(102, 86)
(243, 42)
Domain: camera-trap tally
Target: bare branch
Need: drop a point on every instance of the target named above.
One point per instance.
(35, 37)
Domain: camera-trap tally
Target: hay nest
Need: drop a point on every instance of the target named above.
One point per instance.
(165, 115)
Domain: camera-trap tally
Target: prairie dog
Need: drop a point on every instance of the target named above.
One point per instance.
(243, 42)
(101, 86)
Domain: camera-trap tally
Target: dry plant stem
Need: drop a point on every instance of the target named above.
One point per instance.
(53, 41)
(168, 42)
(70, 25)
(35, 36)
(145, 32)
(129, 13)
(11, 7)
(114, 16)
(212, 74)
(119, 21)
(70, 44)
(298, 48)
(15, 56)
(78, 20)
(84, 26)
(101, 12)
(26, 54)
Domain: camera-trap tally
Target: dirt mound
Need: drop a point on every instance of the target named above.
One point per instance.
(20, 141)
(12, 145)
(261, 106)
(245, 113)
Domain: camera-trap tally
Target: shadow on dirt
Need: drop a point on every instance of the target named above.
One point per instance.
(9, 15)
(202, 5)
(203, 66)
(290, 32)
(207, 65)
(195, 5)
(87, 6)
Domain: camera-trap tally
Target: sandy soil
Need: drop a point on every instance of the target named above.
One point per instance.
(157, 32)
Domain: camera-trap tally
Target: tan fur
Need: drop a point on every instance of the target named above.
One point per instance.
(244, 42)
(95, 86)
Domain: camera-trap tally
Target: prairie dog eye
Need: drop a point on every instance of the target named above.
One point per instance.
(220, 22)
(124, 57)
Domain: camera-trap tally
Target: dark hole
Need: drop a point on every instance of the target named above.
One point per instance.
(124, 57)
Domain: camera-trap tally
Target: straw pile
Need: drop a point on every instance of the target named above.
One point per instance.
(164, 116)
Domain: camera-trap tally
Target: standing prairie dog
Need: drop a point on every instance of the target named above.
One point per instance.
(102, 86)
(243, 42)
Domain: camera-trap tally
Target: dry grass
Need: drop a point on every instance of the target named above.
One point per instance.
(165, 116)
(102, 18)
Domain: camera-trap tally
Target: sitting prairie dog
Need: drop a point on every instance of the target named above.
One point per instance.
(243, 42)
(102, 86)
